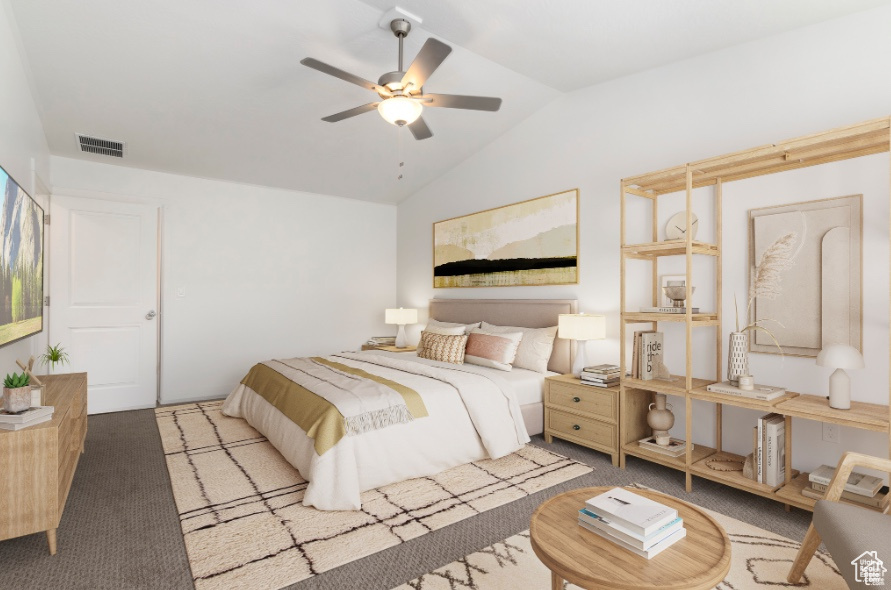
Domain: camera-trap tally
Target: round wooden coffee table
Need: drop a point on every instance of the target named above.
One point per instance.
(697, 562)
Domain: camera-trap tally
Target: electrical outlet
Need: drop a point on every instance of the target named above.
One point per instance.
(831, 433)
(180, 291)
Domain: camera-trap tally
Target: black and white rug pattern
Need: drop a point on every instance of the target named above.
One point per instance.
(244, 524)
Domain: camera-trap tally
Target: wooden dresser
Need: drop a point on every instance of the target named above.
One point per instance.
(37, 464)
(582, 414)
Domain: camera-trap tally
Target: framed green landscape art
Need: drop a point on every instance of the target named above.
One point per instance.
(533, 242)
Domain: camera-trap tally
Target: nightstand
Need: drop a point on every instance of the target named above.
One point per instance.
(583, 414)
(389, 348)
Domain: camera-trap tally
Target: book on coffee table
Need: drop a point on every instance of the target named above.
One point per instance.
(627, 535)
(632, 511)
(648, 553)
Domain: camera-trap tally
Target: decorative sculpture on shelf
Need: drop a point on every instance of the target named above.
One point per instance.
(661, 420)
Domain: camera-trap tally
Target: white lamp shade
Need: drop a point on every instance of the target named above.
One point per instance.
(401, 316)
(581, 326)
(840, 356)
(400, 110)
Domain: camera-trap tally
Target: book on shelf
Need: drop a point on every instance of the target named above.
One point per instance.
(20, 426)
(858, 483)
(761, 392)
(675, 448)
(636, 353)
(601, 369)
(651, 355)
(818, 491)
(774, 449)
(632, 511)
(647, 553)
(26, 416)
(627, 535)
(678, 310)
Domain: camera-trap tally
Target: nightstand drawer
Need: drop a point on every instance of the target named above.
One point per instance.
(594, 431)
(583, 398)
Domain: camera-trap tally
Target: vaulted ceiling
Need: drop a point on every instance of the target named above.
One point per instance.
(214, 88)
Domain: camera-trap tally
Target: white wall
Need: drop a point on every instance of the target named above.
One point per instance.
(23, 148)
(817, 78)
(267, 273)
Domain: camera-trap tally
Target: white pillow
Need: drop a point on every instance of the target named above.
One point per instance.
(535, 348)
(488, 349)
(437, 323)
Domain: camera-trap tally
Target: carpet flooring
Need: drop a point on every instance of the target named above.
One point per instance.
(245, 525)
(120, 529)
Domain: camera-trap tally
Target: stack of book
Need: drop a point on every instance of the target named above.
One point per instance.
(646, 357)
(769, 449)
(629, 520)
(862, 489)
(382, 341)
(601, 375)
(675, 447)
(763, 392)
(29, 417)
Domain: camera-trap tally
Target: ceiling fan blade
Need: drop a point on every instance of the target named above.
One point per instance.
(351, 112)
(428, 59)
(419, 129)
(457, 101)
(338, 73)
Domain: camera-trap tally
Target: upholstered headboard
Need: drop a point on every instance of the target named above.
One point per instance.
(526, 313)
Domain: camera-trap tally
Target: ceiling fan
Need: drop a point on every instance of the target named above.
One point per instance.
(402, 91)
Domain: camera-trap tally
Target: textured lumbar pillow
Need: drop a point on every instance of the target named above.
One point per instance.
(492, 350)
(535, 348)
(438, 329)
(442, 347)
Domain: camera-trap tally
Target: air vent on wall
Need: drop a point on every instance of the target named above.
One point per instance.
(103, 147)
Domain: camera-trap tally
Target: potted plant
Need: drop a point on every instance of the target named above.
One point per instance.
(16, 393)
(54, 355)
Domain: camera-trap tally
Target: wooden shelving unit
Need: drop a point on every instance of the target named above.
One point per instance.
(862, 139)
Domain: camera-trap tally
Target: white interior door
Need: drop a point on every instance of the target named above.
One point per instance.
(103, 299)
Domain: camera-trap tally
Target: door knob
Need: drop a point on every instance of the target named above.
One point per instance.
(150, 314)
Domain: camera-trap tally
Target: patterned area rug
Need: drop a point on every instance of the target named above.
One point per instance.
(244, 524)
(760, 559)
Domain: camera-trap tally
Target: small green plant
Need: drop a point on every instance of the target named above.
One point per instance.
(53, 355)
(15, 380)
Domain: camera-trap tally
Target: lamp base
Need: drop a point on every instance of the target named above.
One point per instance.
(401, 341)
(840, 390)
(581, 357)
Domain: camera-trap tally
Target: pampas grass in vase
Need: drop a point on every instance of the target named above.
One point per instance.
(765, 283)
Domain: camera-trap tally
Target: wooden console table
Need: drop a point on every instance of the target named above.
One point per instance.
(38, 463)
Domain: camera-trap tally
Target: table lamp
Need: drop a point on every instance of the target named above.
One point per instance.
(401, 317)
(581, 327)
(840, 357)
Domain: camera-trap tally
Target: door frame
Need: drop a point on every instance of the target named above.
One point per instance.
(110, 197)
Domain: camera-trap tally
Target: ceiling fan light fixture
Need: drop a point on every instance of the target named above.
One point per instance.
(400, 110)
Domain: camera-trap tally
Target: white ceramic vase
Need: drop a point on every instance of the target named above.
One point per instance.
(737, 356)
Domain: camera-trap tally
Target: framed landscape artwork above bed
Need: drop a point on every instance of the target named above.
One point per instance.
(533, 242)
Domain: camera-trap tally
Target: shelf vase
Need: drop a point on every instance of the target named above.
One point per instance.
(737, 357)
(660, 419)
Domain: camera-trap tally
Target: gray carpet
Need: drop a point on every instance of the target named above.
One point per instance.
(120, 528)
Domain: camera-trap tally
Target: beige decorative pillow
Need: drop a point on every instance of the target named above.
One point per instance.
(535, 348)
(437, 329)
(492, 350)
(438, 324)
(442, 347)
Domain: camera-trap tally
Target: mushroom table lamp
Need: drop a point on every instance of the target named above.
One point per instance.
(401, 317)
(581, 327)
(840, 357)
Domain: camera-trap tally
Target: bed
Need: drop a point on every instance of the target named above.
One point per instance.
(485, 419)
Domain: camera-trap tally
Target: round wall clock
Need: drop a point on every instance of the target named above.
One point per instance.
(676, 228)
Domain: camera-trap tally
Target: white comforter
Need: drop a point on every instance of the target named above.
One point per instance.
(473, 414)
